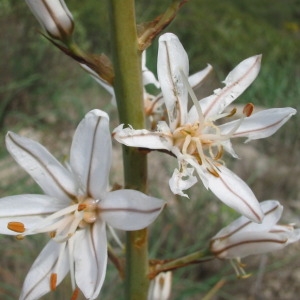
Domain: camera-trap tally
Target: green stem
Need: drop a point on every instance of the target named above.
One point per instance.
(192, 258)
(129, 95)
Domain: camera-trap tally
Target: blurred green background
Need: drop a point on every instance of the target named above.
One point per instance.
(44, 94)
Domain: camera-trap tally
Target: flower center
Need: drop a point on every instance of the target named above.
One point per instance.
(89, 209)
(203, 141)
(63, 223)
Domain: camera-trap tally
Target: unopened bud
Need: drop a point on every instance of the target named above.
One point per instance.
(54, 16)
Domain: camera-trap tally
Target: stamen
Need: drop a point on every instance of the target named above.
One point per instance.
(52, 234)
(16, 227)
(186, 144)
(20, 237)
(213, 172)
(248, 109)
(53, 281)
(81, 206)
(75, 294)
(45, 224)
(232, 113)
(193, 97)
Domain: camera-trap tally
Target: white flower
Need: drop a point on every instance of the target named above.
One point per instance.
(74, 210)
(54, 16)
(160, 286)
(195, 137)
(243, 238)
(153, 104)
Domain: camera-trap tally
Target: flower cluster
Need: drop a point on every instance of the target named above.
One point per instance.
(78, 205)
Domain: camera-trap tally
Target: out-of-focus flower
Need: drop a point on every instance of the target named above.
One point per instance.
(74, 210)
(54, 16)
(242, 237)
(160, 286)
(195, 137)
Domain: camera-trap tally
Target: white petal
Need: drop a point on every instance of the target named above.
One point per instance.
(242, 245)
(235, 193)
(90, 257)
(148, 76)
(143, 138)
(181, 181)
(129, 209)
(261, 124)
(235, 84)
(272, 211)
(27, 209)
(197, 79)
(91, 151)
(49, 174)
(171, 61)
(54, 258)
(53, 15)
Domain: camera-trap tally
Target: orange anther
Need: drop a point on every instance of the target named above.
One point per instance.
(81, 206)
(75, 294)
(248, 109)
(16, 227)
(53, 281)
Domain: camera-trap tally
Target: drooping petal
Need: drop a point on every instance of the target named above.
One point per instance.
(90, 156)
(90, 257)
(54, 259)
(235, 193)
(27, 209)
(196, 79)
(261, 124)
(143, 138)
(49, 174)
(172, 61)
(272, 211)
(181, 181)
(129, 209)
(236, 83)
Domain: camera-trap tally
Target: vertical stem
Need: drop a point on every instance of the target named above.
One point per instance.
(129, 94)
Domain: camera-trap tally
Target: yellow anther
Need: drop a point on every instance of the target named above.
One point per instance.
(19, 237)
(213, 172)
(16, 227)
(52, 234)
(232, 113)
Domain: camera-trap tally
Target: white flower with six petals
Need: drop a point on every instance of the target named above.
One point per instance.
(74, 210)
(195, 137)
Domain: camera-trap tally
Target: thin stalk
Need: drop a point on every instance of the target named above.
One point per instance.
(192, 258)
(129, 95)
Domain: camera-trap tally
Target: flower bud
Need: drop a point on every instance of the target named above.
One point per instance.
(54, 16)
(160, 287)
(244, 237)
